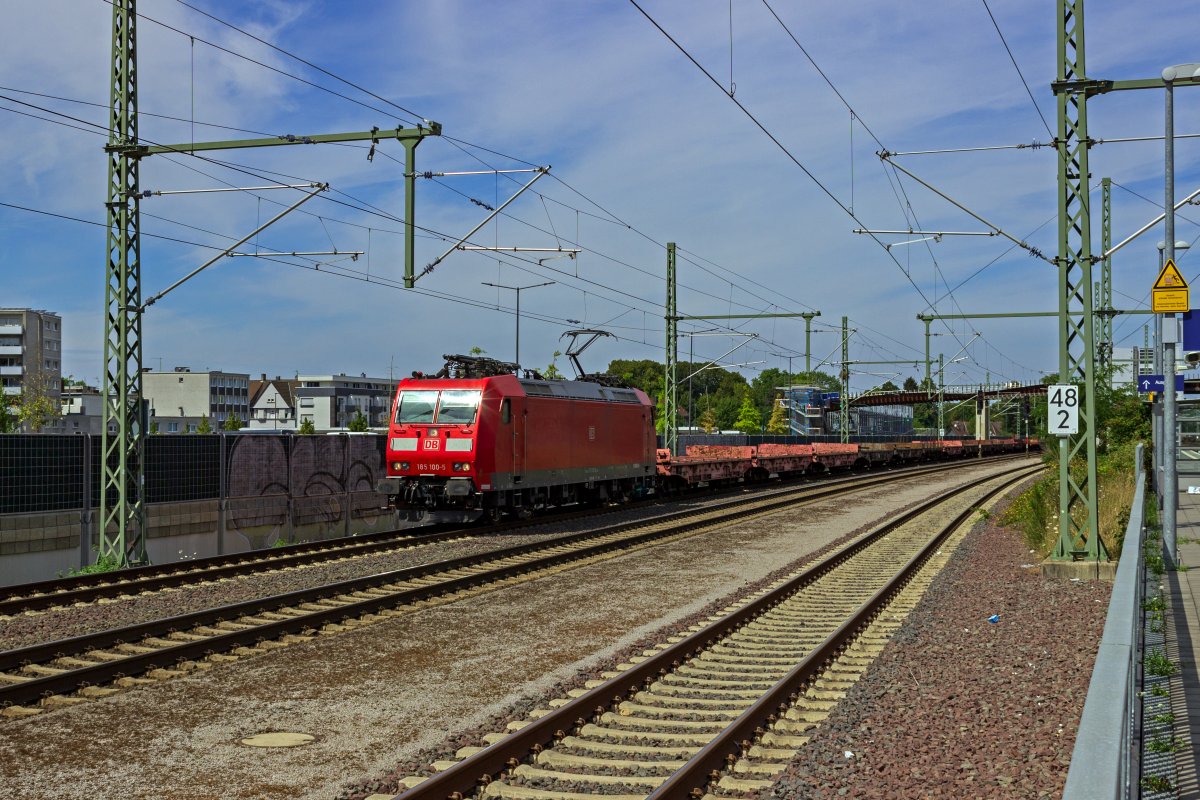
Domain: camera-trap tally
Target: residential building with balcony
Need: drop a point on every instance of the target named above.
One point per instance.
(273, 404)
(31, 357)
(179, 399)
(331, 402)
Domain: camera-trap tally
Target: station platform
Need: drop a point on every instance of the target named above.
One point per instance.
(1183, 586)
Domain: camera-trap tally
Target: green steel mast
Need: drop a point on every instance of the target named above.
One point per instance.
(844, 400)
(122, 517)
(1078, 535)
(1105, 343)
(670, 389)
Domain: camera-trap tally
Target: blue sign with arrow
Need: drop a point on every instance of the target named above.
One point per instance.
(1155, 383)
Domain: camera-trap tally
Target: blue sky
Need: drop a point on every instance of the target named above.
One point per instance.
(648, 150)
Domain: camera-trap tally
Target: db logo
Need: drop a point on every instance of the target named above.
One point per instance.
(429, 444)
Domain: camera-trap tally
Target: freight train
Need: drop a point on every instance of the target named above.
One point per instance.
(477, 438)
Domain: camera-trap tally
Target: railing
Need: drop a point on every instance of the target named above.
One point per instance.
(1101, 764)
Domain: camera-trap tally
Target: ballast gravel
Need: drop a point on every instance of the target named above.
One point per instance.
(34, 628)
(958, 706)
(387, 693)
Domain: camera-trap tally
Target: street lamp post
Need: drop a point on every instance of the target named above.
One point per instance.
(1157, 410)
(518, 290)
(1186, 73)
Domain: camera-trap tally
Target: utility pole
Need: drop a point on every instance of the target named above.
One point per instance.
(844, 401)
(926, 318)
(670, 421)
(122, 510)
(1080, 539)
(808, 318)
(941, 393)
(1077, 539)
(122, 517)
(671, 431)
(1105, 346)
(518, 290)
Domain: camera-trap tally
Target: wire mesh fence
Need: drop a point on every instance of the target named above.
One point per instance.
(261, 485)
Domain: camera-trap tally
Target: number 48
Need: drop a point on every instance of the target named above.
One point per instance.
(1065, 396)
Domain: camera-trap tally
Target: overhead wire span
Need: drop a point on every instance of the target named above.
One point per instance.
(897, 186)
(1033, 251)
(378, 97)
(783, 148)
(1020, 75)
(322, 88)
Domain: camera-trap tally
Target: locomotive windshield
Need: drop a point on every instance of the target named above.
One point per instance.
(416, 407)
(457, 407)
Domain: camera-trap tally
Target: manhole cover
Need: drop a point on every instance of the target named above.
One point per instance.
(278, 739)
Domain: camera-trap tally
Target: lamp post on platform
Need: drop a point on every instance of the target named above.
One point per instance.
(518, 290)
(1156, 411)
(1187, 73)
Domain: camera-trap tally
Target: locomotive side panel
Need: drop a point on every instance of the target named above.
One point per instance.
(572, 441)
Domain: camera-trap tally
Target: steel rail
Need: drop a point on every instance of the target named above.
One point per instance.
(734, 740)
(163, 657)
(41, 595)
(477, 770)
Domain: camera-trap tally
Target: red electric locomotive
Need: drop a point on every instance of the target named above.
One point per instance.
(477, 437)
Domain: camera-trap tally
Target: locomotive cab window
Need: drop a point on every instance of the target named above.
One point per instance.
(458, 407)
(416, 407)
(505, 412)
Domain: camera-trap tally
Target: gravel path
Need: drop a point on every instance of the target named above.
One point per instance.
(385, 693)
(978, 710)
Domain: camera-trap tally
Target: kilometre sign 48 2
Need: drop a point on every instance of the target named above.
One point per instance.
(1063, 403)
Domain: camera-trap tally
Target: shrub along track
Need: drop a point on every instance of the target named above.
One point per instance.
(71, 591)
(723, 709)
(168, 647)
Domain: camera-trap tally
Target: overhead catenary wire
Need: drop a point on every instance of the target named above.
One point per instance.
(774, 139)
(323, 70)
(897, 187)
(462, 141)
(1017, 67)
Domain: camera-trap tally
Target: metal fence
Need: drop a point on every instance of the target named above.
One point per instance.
(47, 473)
(1102, 764)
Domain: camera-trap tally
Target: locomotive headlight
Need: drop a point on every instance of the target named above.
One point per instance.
(402, 465)
(396, 466)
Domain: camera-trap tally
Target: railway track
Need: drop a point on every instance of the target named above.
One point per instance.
(67, 592)
(724, 708)
(75, 670)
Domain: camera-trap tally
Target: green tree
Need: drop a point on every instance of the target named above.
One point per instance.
(765, 388)
(552, 372)
(360, 423)
(888, 386)
(8, 420)
(307, 428)
(154, 427)
(205, 426)
(778, 422)
(749, 419)
(232, 423)
(707, 421)
(37, 404)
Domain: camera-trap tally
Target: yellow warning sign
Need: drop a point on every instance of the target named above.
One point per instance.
(1170, 292)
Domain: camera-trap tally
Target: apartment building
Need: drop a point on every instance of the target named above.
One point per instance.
(331, 402)
(31, 357)
(180, 399)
